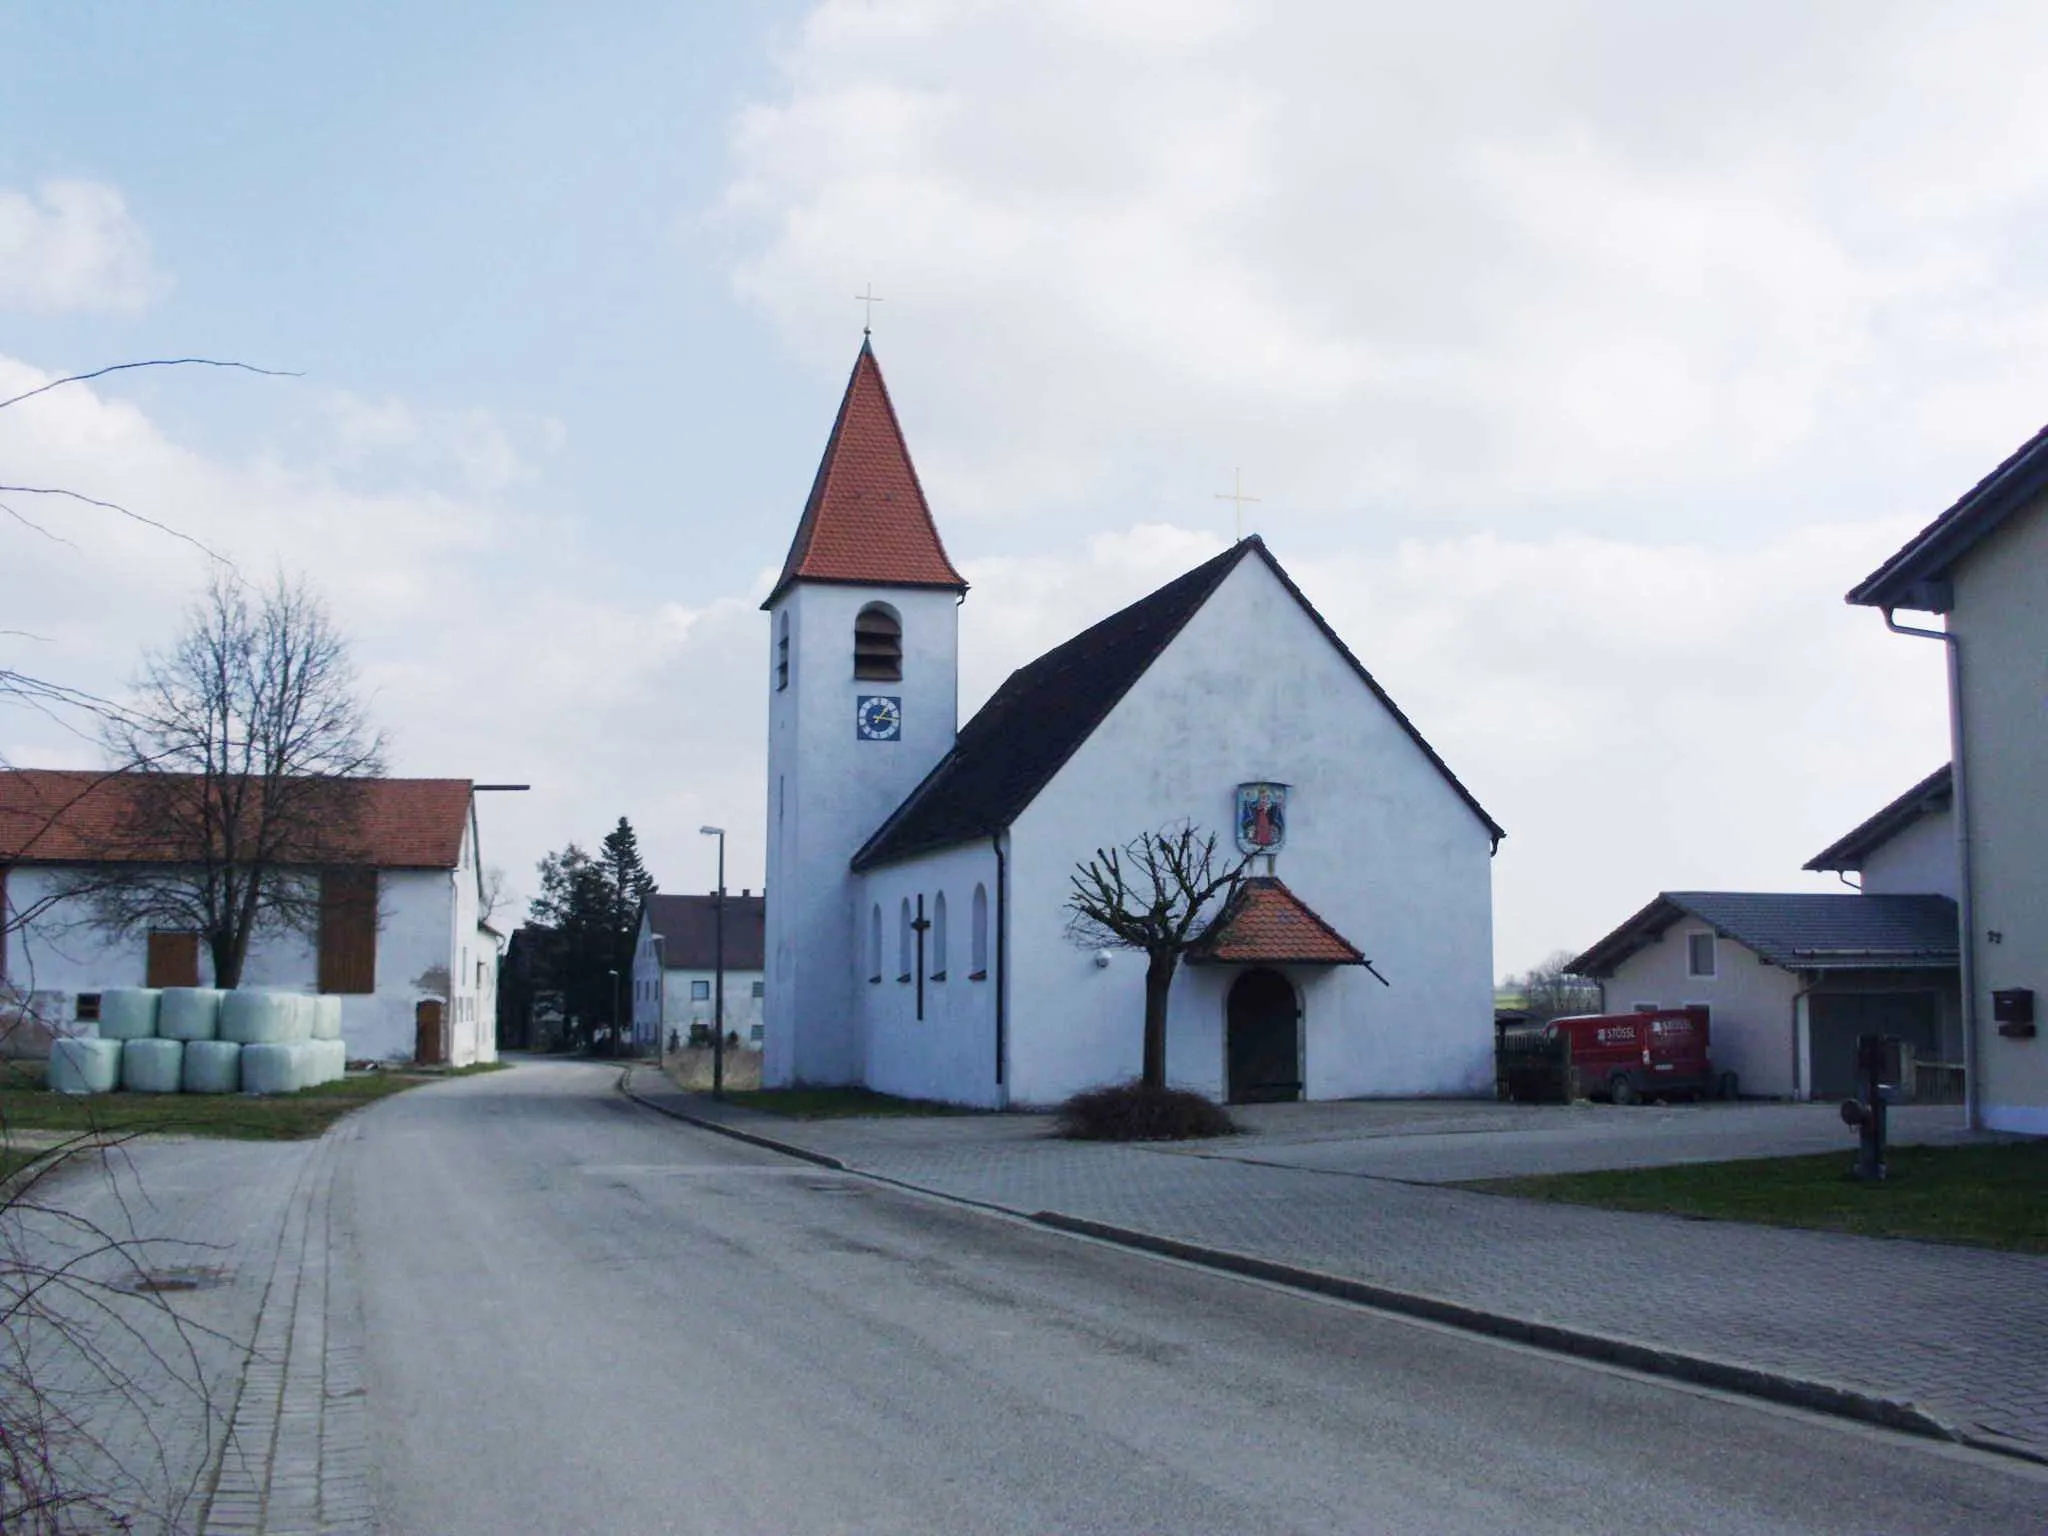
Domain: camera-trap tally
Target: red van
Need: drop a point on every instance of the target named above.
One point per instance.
(1629, 1057)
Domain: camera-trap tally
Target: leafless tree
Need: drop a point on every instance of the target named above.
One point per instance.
(1551, 990)
(1152, 895)
(245, 755)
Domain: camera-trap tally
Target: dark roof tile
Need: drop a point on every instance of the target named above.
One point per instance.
(1800, 931)
(688, 929)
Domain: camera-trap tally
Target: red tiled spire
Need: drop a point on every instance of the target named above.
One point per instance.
(1267, 924)
(867, 521)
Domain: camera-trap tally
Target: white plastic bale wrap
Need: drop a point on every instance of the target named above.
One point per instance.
(270, 1067)
(152, 1066)
(128, 1013)
(251, 1016)
(84, 1066)
(189, 1013)
(335, 1066)
(213, 1066)
(327, 1017)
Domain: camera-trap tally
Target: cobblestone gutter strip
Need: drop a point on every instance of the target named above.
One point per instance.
(1724, 1375)
(296, 1458)
(1649, 1358)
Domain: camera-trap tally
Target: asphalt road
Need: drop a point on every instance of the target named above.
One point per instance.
(582, 1316)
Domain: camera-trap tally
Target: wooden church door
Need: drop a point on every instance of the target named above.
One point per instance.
(1263, 1034)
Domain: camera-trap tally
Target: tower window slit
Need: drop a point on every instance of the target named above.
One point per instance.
(877, 645)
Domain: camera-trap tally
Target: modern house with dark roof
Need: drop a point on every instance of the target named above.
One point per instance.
(1790, 980)
(1982, 567)
(398, 924)
(918, 871)
(683, 945)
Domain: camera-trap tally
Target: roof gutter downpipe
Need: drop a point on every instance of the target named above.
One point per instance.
(1966, 904)
(1003, 972)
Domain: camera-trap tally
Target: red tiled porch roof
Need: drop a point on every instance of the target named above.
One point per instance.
(867, 521)
(1264, 923)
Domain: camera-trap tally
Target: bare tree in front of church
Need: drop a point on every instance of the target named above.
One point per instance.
(245, 753)
(1152, 895)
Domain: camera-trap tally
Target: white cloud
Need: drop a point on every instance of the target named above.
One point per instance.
(71, 245)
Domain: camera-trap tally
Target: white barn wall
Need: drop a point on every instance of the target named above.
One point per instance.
(1379, 844)
(421, 950)
(828, 790)
(950, 1053)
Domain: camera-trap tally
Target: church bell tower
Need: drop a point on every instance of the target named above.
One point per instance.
(863, 673)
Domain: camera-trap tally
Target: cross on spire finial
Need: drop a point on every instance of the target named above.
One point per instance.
(1236, 494)
(871, 299)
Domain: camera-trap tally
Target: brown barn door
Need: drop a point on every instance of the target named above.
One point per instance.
(1263, 1023)
(430, 1033)
(173, 959)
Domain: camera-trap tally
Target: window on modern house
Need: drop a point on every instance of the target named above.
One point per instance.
(1699, 954)
(700, 991)
(939, 937)
(782, 650)
(759, 989)
(875, 943)
(978, 936)
(173, 959)
(348, 931)
(903, 943)
(878, 644)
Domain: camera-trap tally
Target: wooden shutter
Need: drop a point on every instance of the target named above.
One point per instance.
(348, 931)
(173, 959)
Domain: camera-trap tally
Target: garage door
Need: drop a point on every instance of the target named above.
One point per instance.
(1835, 1022)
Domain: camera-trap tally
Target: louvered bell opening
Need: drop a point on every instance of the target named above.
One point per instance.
(877, 646)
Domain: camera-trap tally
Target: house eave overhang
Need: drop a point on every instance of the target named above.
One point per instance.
(1918, 576)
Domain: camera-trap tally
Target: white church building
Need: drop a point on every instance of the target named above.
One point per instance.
(917, 937)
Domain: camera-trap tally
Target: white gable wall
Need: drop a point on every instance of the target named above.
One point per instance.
(1751, 1027)
(828, 790)
(1378, 843)
(1920, 858)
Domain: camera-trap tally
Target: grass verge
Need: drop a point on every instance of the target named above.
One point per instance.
(835, 1103)
(1990, 1196)
(26, 1105)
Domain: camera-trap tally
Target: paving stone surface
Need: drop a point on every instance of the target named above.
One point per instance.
(1959, 1333)
(234, 1407)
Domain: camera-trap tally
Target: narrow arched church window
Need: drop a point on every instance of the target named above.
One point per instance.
(939, 937)
(903, 969)
(782, 650)
(978, 935)
(878, 644)
(875, 944)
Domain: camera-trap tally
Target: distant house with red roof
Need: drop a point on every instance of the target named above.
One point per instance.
(918, 870)
(399, 923)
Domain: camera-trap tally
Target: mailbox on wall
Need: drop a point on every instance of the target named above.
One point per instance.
(2012, 1010)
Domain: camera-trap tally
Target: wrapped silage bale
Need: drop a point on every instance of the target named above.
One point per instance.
(152, 1066)
(80, 1065)
(213, 1066)
(311, 1059)
(253, 1016)
(308, 1013)
(270, 1067)
(128, 1013)
(334, 1060)
(327, 1017)
(189, 1013)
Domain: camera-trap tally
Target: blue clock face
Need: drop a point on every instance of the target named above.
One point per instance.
(878, 717)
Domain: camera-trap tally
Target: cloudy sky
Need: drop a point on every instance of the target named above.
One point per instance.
(1582, 354)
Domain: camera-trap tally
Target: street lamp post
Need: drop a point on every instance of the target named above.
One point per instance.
(615, 1011)
(718, 971)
